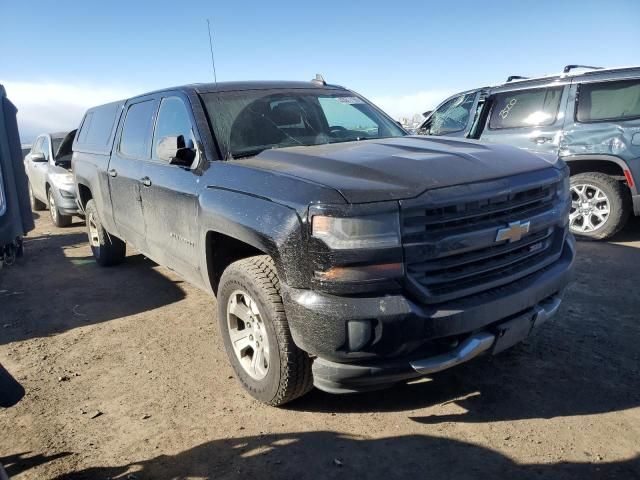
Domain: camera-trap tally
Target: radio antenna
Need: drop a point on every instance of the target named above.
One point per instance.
(213, 63)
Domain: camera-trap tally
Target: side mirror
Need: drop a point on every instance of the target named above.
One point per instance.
(38, 158)
(427, 113)
(174, 151)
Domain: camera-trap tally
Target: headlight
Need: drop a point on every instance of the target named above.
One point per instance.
(371, 231)
(62, 178)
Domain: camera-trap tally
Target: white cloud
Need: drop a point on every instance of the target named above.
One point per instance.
(50, 107)
(408, 105)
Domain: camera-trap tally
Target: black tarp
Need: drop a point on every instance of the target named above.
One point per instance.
(17, 219)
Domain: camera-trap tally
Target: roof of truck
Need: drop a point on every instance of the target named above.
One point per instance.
(245, 85)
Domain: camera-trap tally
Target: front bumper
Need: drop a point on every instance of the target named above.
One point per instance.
(66, 200)
(405, 334)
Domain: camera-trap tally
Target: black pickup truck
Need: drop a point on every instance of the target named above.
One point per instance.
(343, 253)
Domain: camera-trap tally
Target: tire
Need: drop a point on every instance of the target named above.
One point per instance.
(617, 198)
(36, 205)
(107, 249)
(58, 219)
(288, 371)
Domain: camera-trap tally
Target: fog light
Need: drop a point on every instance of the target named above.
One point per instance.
(359, 332)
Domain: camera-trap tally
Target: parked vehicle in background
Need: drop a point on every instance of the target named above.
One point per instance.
(343, 253)
(590, 119)
(51, 182)
(15, 216)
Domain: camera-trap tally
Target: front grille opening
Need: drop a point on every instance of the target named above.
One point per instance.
(443, 266)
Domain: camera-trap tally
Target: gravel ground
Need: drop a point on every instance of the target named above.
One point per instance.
(126, 378)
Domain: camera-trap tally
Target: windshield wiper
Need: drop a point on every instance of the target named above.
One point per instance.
(247, 153)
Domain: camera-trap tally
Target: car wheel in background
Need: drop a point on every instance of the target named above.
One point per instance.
(107, 248)
(36, 205)
(57, 218)
(256, 334)
(600, 205)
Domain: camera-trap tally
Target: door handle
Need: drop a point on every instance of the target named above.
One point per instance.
(540, 140)
(113, 172)
(146, 181)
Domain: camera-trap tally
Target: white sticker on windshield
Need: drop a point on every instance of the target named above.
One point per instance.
(350, 100)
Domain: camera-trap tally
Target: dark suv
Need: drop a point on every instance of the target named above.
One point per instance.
(343, 253)
(590, 119)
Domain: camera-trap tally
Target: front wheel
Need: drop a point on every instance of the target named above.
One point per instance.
(256, 334)
(58, 219)
(600, 205)
(107, 249)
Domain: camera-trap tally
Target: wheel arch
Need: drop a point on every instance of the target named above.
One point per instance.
(236, 225)
(84, 195)
(610, 165)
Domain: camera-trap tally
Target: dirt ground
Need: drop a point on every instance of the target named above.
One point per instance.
(126, 378)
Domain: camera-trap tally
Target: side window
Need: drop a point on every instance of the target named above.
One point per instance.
(86, 126)
(44, 147)
(608, 101)
(525, 108)
(137, 129)
(453, 116)
(173, 121)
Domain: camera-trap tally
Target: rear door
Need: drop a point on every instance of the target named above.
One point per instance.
(126, 167)
(529, 118)
(170, 192)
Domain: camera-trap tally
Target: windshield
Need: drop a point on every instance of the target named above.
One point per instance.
(248, 122)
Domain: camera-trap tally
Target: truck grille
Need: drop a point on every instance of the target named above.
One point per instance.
(451, 249)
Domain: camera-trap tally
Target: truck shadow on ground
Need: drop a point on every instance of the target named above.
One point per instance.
(324, 454)
(585, 361)
(20, 462)
(53, 289)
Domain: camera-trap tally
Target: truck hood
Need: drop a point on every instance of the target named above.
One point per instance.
(398, 168)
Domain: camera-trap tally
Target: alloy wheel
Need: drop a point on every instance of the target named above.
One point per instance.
(248, 334)
(590, 208)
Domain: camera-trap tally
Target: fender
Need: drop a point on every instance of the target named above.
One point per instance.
(273, 228)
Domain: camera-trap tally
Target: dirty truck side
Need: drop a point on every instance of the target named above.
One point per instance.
(343, 253)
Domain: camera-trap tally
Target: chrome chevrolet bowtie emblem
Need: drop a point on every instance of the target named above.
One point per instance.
(513, 232)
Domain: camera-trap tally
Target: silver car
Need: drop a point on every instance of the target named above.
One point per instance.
(51, 186)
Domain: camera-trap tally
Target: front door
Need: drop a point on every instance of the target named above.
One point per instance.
(170, 194)
(126, 169)
(531, 118)
(454, 117)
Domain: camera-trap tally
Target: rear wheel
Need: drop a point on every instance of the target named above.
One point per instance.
(107, 249)
(256, 333)
(36, 205)
(58, 219)
(600, 205)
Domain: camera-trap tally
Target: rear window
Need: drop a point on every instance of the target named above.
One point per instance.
(525, 108)
(97, 127)
(608, 101)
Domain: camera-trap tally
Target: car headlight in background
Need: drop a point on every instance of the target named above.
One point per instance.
(371, 231)
(62, 179)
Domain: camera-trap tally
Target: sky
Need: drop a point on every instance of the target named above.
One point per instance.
(58, 59)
